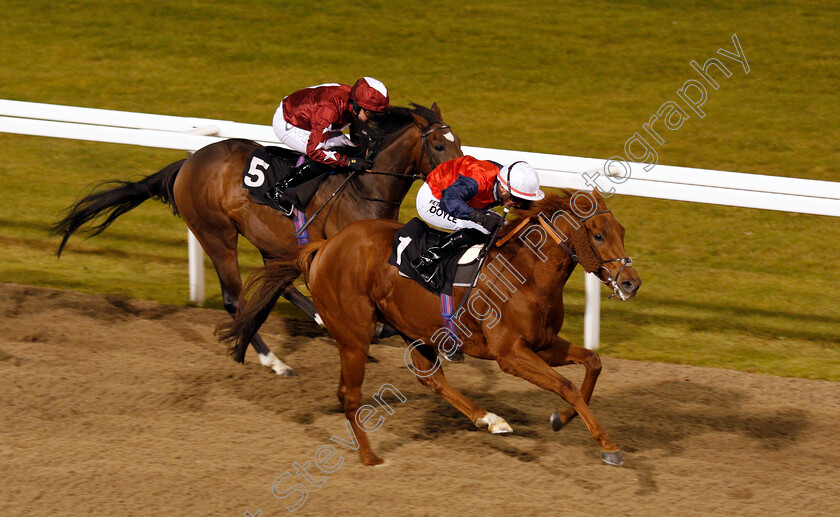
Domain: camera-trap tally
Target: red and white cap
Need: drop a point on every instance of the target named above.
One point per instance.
(521, 180)
(370, 94)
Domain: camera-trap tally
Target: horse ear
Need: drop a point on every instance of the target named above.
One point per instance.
(597, 195)
(436, 109)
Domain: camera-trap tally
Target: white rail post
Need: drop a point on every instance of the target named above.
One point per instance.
(196, 269)
(195, 251)
(592, 316)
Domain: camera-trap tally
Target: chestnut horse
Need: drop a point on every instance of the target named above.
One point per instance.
(206, 190)
(353, 285)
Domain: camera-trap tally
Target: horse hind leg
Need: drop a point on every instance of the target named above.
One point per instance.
(303, 303)
(222, 252)
(266, 356)
(352, 332)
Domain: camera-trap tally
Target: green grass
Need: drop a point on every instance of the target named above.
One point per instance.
(724, 287)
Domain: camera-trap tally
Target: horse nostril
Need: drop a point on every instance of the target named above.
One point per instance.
(628, 286)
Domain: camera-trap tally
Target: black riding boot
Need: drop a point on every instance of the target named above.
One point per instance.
(427, 265)
(298, 175)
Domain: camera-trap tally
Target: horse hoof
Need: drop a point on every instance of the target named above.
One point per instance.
(612, 458)
(455, 357)
(500, 428)
(372, 460)
(371, 359)
(556, 421)
(280, 368)
(495, 424)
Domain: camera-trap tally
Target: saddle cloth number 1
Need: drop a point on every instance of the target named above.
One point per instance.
(404, 241)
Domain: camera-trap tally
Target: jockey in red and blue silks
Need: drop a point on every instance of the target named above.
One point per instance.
(310, 122)
(459, 194)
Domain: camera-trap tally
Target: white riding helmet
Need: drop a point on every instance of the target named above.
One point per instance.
(521, 180)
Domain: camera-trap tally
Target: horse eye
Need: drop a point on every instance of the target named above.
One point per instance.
(599, 237)
(439, 148)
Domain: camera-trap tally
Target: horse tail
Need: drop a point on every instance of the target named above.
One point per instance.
(307, 255)
(115, 201)
(264, 287)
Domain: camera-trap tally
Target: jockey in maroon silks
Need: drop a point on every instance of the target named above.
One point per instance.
(310, 122)
(459, 194)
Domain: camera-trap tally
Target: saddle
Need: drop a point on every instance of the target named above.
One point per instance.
(266, 167)
(410, 241)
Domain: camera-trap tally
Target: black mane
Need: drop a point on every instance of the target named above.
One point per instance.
(373, 133)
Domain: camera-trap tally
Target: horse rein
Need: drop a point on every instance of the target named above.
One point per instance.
(625, 261)
(428, 130)
(610, 281)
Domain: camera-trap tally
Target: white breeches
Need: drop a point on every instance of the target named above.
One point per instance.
(429, 209)
(297, 138)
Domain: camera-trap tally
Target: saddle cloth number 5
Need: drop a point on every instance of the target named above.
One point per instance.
(256, 173)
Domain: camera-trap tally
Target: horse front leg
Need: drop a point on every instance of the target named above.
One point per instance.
(560, 353)
(523, 362)
(429, 371)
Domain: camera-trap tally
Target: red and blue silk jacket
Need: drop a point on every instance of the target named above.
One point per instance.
(464, 184)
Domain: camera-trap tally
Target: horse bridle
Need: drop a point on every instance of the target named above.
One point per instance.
(428, 130)
(625, 261)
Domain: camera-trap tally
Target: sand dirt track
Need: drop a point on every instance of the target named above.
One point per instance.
(115, 407)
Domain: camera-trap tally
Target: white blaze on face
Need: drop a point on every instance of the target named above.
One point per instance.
(449, 136)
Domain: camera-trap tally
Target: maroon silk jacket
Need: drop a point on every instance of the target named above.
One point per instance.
(320, 109)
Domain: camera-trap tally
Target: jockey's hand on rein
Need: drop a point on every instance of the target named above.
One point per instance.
(360, 164)
(489, 219)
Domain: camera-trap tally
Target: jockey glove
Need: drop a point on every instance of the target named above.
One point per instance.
(360, 164)
(489, 219)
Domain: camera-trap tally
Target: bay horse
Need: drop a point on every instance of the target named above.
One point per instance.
(353, 286)
(206, 191)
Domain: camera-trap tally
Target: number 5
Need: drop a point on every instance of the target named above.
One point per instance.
(256, 173)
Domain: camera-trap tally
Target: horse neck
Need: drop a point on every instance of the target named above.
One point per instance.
(546, 273)
(400, 156)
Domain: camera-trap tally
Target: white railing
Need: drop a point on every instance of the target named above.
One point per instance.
(662, 181)
(122, 127)
(682, 183)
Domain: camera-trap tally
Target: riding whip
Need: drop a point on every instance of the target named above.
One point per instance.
(339, 189)
(481, 256)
